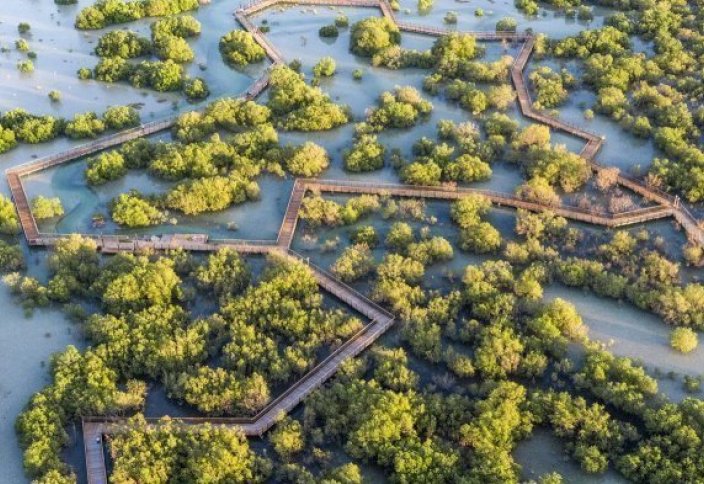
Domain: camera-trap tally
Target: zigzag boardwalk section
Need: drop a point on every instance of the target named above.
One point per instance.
(95, 427)
(593, 143)
(497, 198)
(14, 175)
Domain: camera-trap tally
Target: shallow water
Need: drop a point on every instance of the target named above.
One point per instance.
(62, 50)
(629, 331)
(542, 452)
(26, 345)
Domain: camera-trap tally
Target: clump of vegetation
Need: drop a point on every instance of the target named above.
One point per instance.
(84, 73)
(402, 108)
(551, 87)
(683, 340)
(316, 210)
(185, 456)
(105, 167)
(307, 160)
(325, 67)
(121, 117)
(367, 154)
(458, 158)
(329, 31)
(123, 43)
(424, 6)
(8, 139)
(238, 48)
(44, 208)
(506, 24)
(25, 66)
(341, 21)
(450, 18)
(372, 35)
(365, 235)
(301, 107)
(22, 45)
(84, 125)
(355, 262)
(110, 12)
(132, 210)
(9, 223)
(476, 235)
(196, 89)
(11, 258)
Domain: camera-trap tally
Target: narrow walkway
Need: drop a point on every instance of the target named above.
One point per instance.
(288, 226)
(497, 198)
(380, 320)
(671, 205)
(93, 446)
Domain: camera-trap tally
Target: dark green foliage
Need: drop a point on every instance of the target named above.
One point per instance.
(86, 125)
(121, 117)
(550, 86)
(280, 323)
(225, 273)
(158, 75)
(316, 211)
(8, 140)
(30, 128)
(307, 160)
(105, 167)
(9, 223)
(616, 380)
(329, 31)
(196, 89)
(11, 258)
(183, 26)
(475, 234)
(354, 263)
(365, 235)
(402, 108)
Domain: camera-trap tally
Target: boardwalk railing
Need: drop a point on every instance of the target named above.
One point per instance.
(380, 321)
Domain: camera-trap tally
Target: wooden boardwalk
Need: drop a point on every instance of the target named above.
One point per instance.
(288, 226)
(497, 199)
(380, 320)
